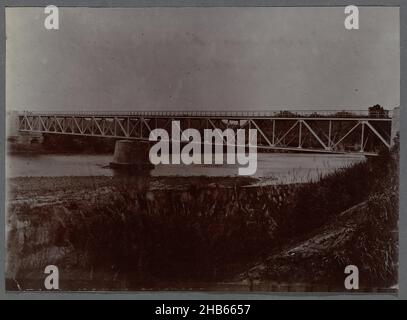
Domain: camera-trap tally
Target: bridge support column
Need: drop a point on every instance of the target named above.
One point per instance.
(395, 124)
(131, 155)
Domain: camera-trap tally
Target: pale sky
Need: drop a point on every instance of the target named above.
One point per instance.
(202, 59)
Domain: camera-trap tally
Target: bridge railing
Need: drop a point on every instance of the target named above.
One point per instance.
(231, 114)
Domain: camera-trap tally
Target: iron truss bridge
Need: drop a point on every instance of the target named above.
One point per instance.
(303, 131)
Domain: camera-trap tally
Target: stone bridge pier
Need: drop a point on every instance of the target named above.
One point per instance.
(130, 154)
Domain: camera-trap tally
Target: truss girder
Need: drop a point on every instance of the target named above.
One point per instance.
(332, 135)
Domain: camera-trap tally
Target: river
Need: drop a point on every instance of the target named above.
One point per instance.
(273, 168)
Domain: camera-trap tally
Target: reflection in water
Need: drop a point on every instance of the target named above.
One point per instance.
(271, 167)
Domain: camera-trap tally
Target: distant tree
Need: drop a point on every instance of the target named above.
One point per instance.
(377, 111)
(286, 114)
(315, 115)
(345, 114)
(396, 146)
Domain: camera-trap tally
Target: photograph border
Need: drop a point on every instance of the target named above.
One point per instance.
(194, 295)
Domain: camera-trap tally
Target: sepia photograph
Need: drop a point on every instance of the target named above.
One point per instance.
(227, 149)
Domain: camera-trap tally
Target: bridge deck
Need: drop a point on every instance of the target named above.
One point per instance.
(316, 114)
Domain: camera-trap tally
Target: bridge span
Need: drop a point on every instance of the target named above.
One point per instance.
(358, 132)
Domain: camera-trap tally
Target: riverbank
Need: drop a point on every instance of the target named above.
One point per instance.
(40, 191)
(120, 233)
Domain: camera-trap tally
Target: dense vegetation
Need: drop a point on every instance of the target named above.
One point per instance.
(327, 240)
(209, 233)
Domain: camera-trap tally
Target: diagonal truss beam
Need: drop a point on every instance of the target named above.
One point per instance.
(346, 135)
(387, 144)
(287, 132)
(314, 134)
(262, 133)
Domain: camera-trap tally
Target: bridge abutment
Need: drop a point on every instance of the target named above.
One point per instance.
(395, 124)
(130, 154)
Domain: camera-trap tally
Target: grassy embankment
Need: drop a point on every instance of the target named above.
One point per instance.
(365, 234)
(126, 235)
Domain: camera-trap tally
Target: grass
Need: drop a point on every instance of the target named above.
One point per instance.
(207, 233)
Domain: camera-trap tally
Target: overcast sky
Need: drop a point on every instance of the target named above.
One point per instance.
(201, 59)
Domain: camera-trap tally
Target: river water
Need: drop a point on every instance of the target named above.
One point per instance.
(271, 167)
